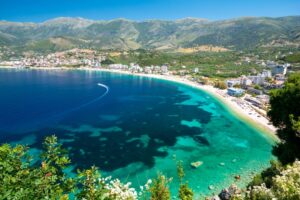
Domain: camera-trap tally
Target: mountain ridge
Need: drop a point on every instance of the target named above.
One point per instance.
(237, 33)
(154, 19)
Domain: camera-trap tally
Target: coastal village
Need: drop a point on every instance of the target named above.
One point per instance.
(212, 122)
(150, 100)
(248, 93)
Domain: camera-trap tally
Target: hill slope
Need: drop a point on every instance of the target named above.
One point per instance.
(65, 33)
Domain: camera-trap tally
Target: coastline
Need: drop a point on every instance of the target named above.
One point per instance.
(260, 123)
(230, 103)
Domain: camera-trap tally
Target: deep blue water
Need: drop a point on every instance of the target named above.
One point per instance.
(141, 126)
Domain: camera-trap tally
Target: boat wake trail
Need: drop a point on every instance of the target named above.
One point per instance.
(94, 100)
(85, 104)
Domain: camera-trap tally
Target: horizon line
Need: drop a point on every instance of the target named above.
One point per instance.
(144, 20)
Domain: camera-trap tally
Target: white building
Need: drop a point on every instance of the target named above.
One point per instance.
(245, 81)
(117, 66)
(148, 70)
(271, 64)
(135, 68)
(257, 80)
(233, 82)
(164, 69)
(266, 73)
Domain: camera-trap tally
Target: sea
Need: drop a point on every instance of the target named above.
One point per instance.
(132, 127)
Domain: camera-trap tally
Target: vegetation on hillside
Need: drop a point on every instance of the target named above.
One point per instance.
(285, 115)
(281, 180)
(185, 193)
(294, 58)
(242, 33)
(209, 64)
(284, 184)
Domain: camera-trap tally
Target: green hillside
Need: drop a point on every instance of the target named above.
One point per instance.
(241, 33)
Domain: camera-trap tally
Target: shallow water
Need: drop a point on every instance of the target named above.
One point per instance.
(139, 128)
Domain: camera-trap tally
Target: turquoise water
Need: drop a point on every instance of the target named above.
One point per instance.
(131, 127)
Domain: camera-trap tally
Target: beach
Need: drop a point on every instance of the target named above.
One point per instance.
(240, 108)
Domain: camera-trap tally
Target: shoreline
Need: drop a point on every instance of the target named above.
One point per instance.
(260, 123)
(231, 104)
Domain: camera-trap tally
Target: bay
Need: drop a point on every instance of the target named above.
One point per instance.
(131, 127)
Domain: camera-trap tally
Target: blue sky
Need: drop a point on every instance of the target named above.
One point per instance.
(40, 10)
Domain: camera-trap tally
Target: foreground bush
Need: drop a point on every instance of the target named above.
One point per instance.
(285, 186)
(285, 115)
(20, 178)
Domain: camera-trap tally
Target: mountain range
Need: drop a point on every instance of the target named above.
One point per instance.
(66, 33)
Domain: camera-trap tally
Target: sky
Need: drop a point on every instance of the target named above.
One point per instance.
(41, 10)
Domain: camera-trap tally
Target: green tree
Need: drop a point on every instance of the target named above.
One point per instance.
(294, 58)
(20, 179)
(185, 193)
(266, 176)
(180, 171)
(237, 86)
(257, 87)
(54, 160)
(285, 186)
(220, 84)
(285, 115)
(91, 185)
(159, 189)
(15, 176)
(46, 179)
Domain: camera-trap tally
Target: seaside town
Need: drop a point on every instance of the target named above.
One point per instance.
(249, 93)
(150, 100)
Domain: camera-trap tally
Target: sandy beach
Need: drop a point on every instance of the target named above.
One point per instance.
(238, 107)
